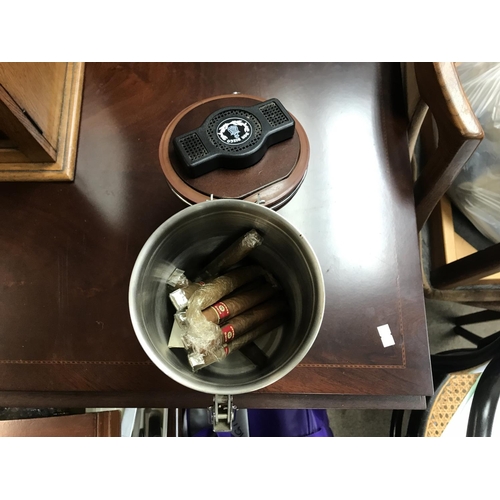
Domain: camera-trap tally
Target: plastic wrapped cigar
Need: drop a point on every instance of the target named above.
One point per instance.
(243, 323)
(199, 360)
(250, 309)
(238, 303)
(201, 333)
(218, 288)
(232, 255)
(181, 296)
(252, 285)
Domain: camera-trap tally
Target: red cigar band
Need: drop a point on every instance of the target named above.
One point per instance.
(221, 310)
(228, 333)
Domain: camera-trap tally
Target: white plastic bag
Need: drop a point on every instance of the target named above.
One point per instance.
(481, 83)
(476, 190)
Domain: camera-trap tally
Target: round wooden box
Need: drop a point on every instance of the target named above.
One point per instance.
(272, 181)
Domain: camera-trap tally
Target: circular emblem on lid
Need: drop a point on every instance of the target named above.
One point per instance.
(234, 131)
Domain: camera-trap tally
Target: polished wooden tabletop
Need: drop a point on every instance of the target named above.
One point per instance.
(67, 249)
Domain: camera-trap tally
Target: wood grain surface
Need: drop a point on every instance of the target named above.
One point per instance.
(37, 88)
(32, 163)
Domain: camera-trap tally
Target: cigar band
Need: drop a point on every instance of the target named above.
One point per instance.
(221, 310)
(228, 333)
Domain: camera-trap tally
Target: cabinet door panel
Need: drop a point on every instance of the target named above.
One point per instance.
(37, 88)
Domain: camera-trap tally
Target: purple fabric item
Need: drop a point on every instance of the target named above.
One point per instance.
(282, 423)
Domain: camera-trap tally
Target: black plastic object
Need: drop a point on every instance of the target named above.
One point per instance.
(234, 137)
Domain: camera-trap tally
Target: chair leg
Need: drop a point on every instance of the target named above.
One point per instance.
(466, 358)
(477, 317)
(476, 339)
(471, 337)
(488, 340)
(396, 429)
(415, 422)
(485, 401)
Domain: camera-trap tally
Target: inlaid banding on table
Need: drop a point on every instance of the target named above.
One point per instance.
(319, 365)
(383, 111)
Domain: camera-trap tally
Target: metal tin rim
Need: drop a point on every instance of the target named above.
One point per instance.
(202, 386)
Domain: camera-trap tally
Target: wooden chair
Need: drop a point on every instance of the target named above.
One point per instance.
(443, 134)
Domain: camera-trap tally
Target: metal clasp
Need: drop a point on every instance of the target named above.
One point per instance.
(259, 200)
(222, 413)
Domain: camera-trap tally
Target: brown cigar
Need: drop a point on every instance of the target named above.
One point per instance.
(199, 361)
(180, 315)
(258, 315)
(224, 310)
(232, 255)
(252, 285)
(214, 291)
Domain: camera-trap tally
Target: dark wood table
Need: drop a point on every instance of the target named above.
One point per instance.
(67, 250)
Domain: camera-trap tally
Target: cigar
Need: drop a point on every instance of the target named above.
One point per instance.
(222, 311)
(200, 334)
(237, 326)
(199, 360)
(232, 255)
(212, 292)
(181, 296)
(234, 305)
(258, 315)
(254, 354)
(252, 285)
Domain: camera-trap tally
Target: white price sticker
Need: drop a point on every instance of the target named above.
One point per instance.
(385, 335)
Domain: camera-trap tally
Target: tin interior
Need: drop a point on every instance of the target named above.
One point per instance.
(188, 241)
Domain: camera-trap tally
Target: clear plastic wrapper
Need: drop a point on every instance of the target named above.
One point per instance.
(180, 319)
(232, 255)
(180, 297)
(201, 333)
(177, 279)
(201, 360)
